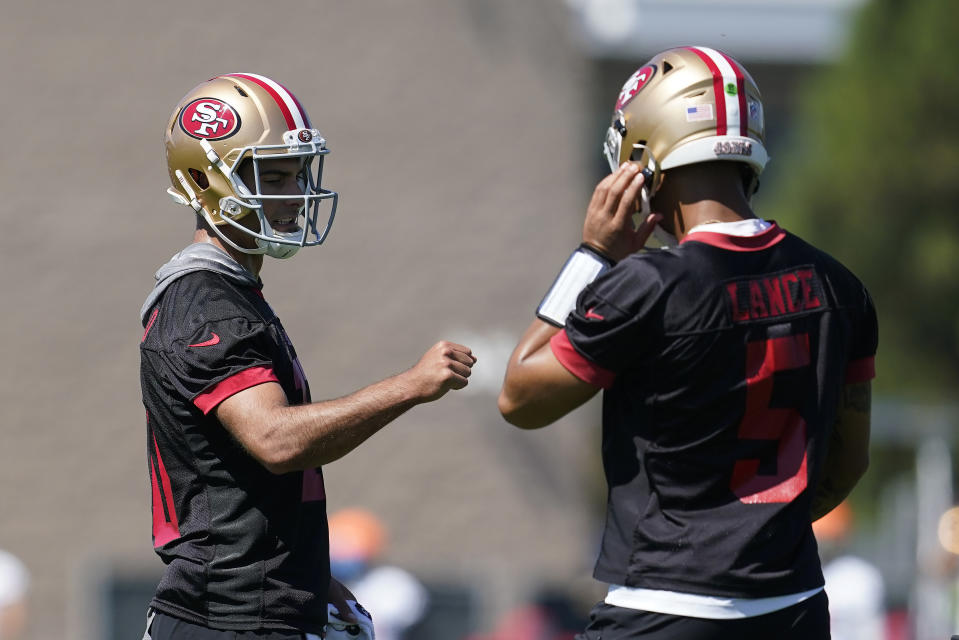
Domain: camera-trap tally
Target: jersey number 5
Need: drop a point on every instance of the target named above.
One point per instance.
(762, 422)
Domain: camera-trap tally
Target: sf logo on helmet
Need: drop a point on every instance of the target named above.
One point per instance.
(636, 82)
(209, 118)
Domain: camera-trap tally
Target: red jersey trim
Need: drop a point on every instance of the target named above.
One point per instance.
(719, 96)
(209, 399)
(153, 318)
(741, 94)
(166, 527)
(862, 370)
(579, 366)
(758, 242)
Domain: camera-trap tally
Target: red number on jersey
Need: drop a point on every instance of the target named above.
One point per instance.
(762, 422)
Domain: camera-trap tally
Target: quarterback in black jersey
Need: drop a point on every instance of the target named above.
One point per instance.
(235, 443)
(735, 361)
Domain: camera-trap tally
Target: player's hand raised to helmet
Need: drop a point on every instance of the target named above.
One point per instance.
(609, 225)
(445, 366)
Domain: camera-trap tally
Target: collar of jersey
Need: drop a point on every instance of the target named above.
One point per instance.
(754, 234)
(744, 228)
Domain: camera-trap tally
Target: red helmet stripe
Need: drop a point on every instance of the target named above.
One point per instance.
(306, 118)
(741, 94)
(291, 108)
(717, 89)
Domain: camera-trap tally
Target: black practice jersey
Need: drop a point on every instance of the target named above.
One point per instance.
(245, 549)
(723, 362)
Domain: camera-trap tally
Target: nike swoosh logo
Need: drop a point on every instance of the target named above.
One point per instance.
(595, 316)
(209, 343)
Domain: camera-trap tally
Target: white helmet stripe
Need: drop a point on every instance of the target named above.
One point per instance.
(731, 111)
(295, 115)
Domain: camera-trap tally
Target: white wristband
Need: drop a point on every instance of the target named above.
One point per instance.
(582, 267)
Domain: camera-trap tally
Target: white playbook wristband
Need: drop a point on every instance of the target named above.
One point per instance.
(583, 266)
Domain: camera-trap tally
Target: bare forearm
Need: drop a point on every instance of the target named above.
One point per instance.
(837, 483)
(828, 496)
(848, 455)
(287, 438)
(315, 434)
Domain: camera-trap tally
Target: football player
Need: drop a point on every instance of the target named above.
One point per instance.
(235, 442)
(735, 361)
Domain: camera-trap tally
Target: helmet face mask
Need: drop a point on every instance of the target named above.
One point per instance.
(686, 105)
(244, 120)
(254, 199)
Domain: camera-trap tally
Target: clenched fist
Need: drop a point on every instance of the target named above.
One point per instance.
(445, 366)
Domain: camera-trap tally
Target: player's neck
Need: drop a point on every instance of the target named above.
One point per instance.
(693, 198)
(252, 262)
(692, 214)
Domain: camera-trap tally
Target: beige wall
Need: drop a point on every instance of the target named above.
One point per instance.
(457, 137)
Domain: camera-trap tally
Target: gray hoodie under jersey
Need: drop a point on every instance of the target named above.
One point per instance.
(201, 256)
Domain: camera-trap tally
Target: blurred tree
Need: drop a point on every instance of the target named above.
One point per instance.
(874, 179)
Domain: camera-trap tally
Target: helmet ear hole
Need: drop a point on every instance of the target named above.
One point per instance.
(199, 178)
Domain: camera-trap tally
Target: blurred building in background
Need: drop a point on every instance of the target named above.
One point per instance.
(465, 140)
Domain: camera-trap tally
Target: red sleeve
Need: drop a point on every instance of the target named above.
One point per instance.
(861, 370)
(210, 398)
(579, 366)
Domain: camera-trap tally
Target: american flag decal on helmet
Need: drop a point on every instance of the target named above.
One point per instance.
(729, 88)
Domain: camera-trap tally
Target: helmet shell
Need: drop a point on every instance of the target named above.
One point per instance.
(688, 105)
(233, 113)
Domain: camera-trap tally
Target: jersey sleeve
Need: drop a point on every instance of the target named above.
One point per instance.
(219, 359)
(865, 341)
(612, 326)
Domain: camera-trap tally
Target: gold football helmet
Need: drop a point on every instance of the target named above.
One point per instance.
(232, 119)
(687, 105)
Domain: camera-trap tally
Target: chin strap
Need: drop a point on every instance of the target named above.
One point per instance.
(278, 249)
(178, 197)
(194, 204)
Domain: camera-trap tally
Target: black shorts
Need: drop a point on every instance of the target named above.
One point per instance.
(808, 620)
(164, 627)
